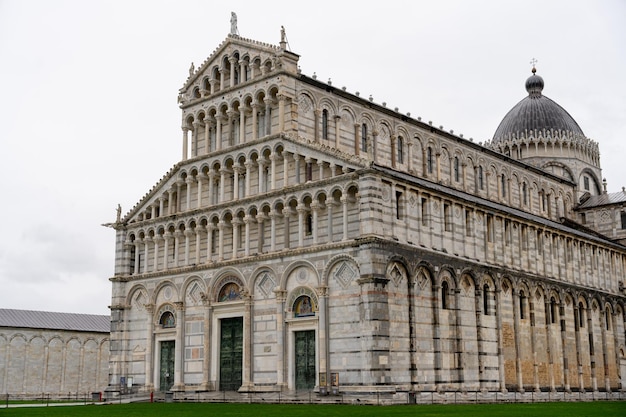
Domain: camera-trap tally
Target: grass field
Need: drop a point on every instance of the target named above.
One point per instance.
(569, 409)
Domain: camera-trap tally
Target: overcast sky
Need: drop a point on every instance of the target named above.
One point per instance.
(89, 118)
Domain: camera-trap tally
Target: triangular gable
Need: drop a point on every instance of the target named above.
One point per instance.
(166, 182)
(254, 52)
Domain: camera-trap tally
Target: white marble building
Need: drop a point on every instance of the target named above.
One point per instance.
(309, 237)
(53, 354)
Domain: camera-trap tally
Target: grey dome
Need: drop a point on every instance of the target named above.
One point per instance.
(535, 112)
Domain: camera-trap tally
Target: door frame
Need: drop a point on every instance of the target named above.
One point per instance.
(299, 325)
(219, 342)
(157, 359)
(226, 311)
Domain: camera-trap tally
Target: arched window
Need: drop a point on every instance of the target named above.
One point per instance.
(400, 150)
(525, 194)
(303, 307)
(522, 305)
(364, 137)
(552, 310)
(214, 240)
(167, 320)
(503, 185)
(607, 318)
(447, 217)
(581, 315)
(324, 124)
(444, 295)
(399, 205)
(456, 169)
(132, 257)
(261, 124)
(486, 300)
(429, 160)
(481, 184)
(309, 224)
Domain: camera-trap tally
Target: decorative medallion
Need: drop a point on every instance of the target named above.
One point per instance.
(304, 104)
(167, 293)
(140, 300)
(194, 294)
(302, 276)
(396, 275)
(344, 274)
(265, 285)
(422, 281)
(605, 216)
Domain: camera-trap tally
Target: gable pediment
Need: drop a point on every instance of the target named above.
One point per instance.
(245, 58)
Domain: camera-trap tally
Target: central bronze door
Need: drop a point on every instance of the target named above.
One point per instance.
(166, 369)
(305, 359)
(231, 353)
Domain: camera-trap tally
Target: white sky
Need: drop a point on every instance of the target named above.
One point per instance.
(89, 118)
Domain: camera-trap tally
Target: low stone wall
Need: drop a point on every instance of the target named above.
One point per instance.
(310, 397)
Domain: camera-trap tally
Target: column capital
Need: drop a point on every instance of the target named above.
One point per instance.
(322, 290)
(281, 294)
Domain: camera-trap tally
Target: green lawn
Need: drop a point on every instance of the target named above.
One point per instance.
(572, 409)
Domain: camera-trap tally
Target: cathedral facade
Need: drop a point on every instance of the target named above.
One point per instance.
(311, 239)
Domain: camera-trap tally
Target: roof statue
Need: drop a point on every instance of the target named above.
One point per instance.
(233, 24)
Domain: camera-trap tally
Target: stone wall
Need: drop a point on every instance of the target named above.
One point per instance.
(52, 362)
